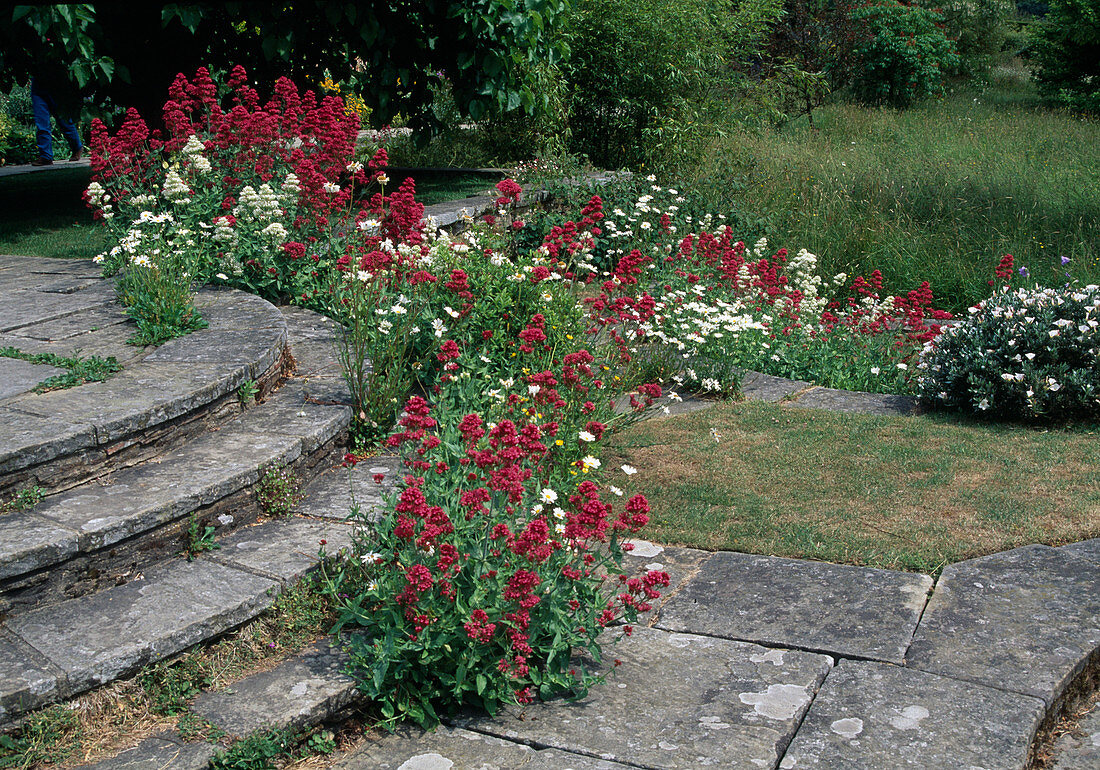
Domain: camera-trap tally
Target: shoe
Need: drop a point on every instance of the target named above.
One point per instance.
(42, 162)
(77, 155)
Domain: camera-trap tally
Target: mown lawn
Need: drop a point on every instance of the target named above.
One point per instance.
(902, 493)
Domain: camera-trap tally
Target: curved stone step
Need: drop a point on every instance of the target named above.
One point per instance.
(59, 439)
(104, 531)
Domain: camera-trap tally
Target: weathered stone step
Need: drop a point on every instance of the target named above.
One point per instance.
(104, 531)
(59, 651)
(58, 439)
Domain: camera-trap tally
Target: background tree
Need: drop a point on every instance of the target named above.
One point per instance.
(1066, 52)
(390, 50)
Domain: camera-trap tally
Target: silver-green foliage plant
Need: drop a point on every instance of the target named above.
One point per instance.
(1023, 354)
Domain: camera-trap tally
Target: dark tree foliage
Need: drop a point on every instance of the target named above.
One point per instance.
(1067, 55)
(391, 50)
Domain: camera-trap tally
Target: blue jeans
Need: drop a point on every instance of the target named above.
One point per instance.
(43, 104)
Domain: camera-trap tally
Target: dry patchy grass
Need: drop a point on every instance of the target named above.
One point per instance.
(908, 493)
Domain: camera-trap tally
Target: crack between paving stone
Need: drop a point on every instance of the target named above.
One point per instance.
(56, 317)
(794, 733)
(668, 597)
(920, 616)
(537, 746)
(838, 656)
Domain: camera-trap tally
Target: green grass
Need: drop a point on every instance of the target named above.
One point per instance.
(78, 370)
(41, 214)
(938, 192)
(899, 493)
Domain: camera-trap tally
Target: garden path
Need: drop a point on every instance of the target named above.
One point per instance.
(752, 661)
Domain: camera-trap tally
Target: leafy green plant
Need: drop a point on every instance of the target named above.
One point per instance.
(274, 748)
(158, 298)
(906, 56)
(278, 491)
(47, 737)
(173, 685)
(247, 392)
(23, 499)
(199, 538)
(80, 370)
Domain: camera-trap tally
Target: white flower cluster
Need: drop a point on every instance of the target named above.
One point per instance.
(175, 190)
(263, 205)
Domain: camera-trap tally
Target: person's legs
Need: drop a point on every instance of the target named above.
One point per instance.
(68, 129)
(41, 107)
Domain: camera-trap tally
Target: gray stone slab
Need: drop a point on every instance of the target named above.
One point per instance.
(306, 324)
(26, 682)
(28, 306)
(1086, 549)
(148, 495)
(458, 749)
(98, 318)
(1079, 749)
(29, 542)
(139, 397)
(300, 692)
(232, 309)
(765, 387)
(29, 439)
(164, 751)
(19, 376)
(856, 402)
(1025, 620)
(287, 412)
(679, 563)
(870, 716)
(843, 610)
(98, 638)
(677, 701)
(103, 343)
(332, 494)
(283, 549)
(257, 348)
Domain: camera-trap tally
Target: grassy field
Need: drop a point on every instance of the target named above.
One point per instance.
(901, 493)
(938, 192)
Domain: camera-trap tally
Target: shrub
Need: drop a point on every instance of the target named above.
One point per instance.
(1067, 54)
(906, 56)
(1029, 354)
(978, 28)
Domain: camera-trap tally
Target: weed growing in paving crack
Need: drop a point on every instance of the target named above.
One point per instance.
(274, 748)
(247, 392)
(199, 539)
(78, 370)
(278, 491)
(23, 500)
(49, 736)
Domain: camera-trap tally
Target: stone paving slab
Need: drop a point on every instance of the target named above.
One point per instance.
(1025, 620)
(855, 402)
(677, 701)
(139, 397)
(843, 610)
(284, 550)
(679, 563)
(300, 692)
(96, 639)
(259, 349)
(870, 716)
(287, 412)
(765, 387)
(26, 306)
(457, 749)
(236, 310)
(332, 494)
(18, 376)
(104, 343)
(98, 318)
(24, 683)
(29, 541)
(146, 496)
(1080, 749)
(1086, 549)
(164, 751)
(31, 439)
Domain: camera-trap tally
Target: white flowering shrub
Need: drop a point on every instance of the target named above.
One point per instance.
(1028, 353)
